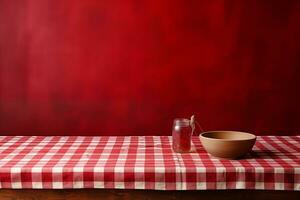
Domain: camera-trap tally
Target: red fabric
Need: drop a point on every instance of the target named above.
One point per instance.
(125, 66)
(144, 162)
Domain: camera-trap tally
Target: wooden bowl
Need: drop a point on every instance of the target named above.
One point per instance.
(227, 144)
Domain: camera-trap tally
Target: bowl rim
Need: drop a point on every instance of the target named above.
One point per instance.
(252, 136)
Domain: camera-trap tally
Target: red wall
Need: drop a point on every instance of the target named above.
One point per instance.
(129, 67)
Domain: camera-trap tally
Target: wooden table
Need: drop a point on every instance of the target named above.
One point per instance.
(95, 194)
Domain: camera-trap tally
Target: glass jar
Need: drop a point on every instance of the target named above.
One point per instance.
(182, 135)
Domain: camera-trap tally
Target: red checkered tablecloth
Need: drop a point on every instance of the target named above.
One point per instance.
(143, 162)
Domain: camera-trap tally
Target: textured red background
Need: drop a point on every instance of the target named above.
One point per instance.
(129, 67)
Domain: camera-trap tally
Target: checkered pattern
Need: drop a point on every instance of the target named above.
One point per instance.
(143, 162)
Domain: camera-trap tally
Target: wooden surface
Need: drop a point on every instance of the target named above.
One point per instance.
(93, 194)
